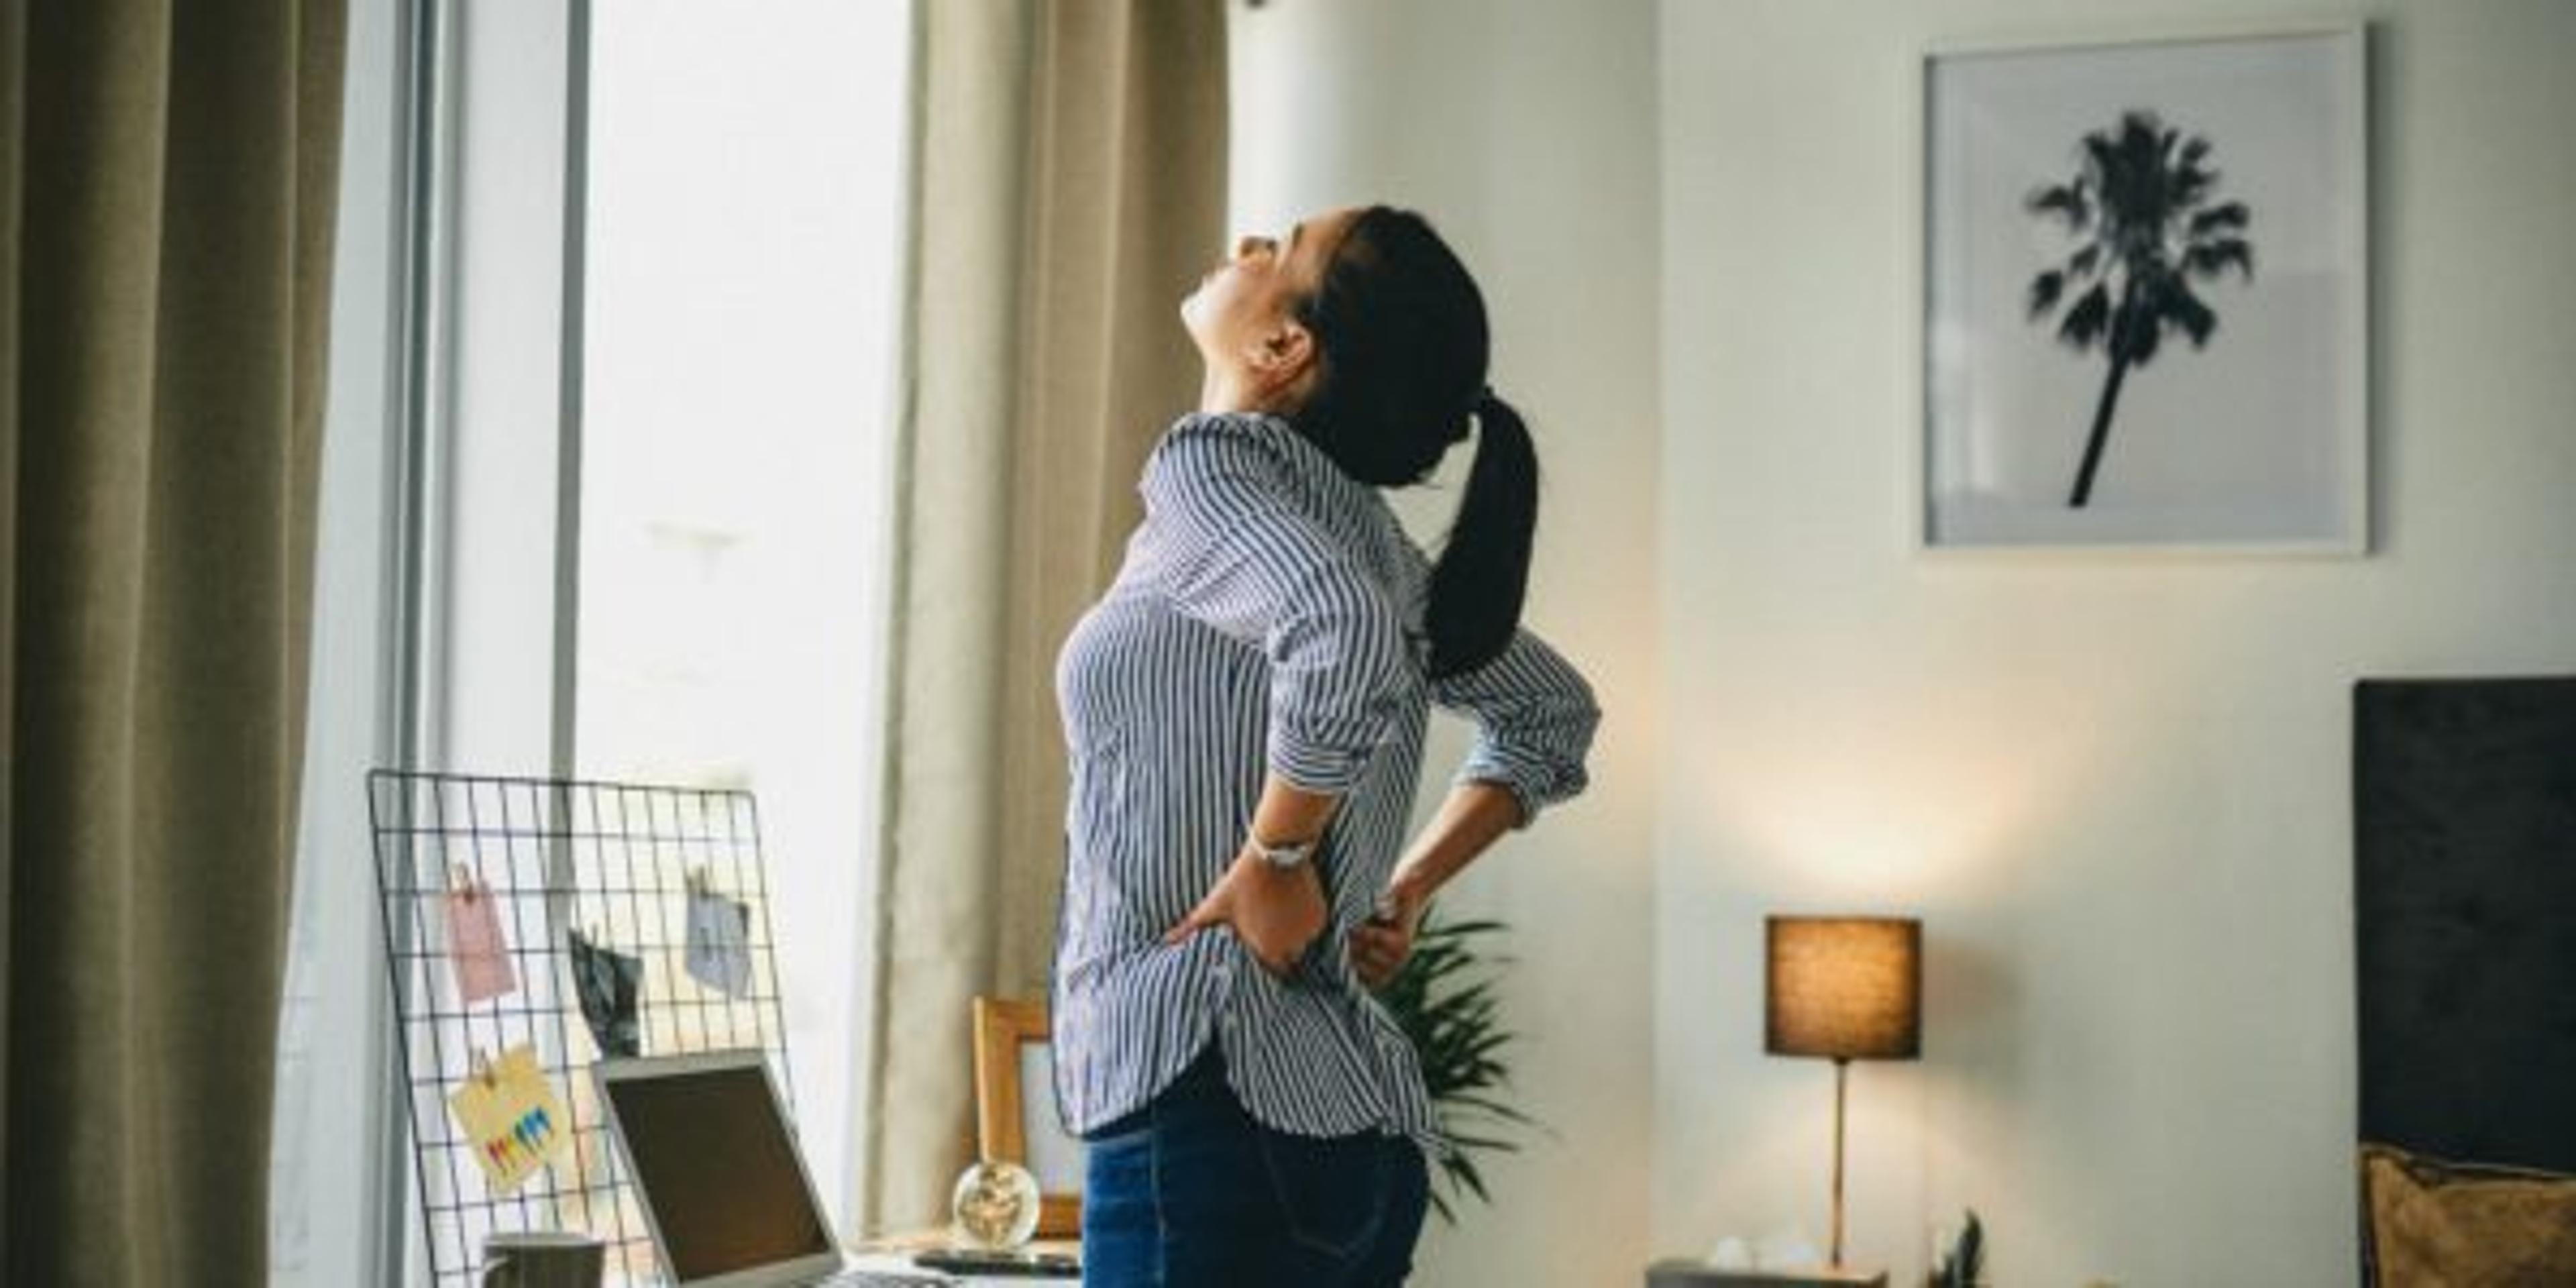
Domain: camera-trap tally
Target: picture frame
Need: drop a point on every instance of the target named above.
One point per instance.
(2146, 295)
(1015, 1116)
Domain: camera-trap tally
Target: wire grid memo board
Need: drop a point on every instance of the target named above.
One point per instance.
(615, 861)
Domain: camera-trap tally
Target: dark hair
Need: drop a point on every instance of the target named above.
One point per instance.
(1401, 329)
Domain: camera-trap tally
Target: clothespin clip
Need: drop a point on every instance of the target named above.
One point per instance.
(698, 880)
(479, 1068)
(460, 879)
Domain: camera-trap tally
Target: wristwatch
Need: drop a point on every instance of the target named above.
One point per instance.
(1288, 855)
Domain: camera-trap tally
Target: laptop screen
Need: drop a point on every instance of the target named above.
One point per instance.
(712, 1156)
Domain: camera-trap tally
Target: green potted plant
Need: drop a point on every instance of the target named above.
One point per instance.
(1444, 1000)
(1964, 1264)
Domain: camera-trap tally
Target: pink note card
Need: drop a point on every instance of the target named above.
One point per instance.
(475, 945)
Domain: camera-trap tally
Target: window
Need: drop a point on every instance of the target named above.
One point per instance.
(741, 279)
(648, 513)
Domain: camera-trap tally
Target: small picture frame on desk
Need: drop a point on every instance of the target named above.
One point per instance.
(1015, 1117)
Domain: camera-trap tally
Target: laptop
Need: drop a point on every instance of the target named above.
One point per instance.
(715, 1167)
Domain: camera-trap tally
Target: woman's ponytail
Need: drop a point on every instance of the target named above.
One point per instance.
(1482, 576)
(1405, 350)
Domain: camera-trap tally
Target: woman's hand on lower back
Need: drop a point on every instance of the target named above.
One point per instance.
(1380, 945)
(1275, 911)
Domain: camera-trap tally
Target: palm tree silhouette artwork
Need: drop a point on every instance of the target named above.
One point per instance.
(2139, 201)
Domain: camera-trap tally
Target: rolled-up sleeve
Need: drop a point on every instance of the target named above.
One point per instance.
(1535, 717)
(1241, 555)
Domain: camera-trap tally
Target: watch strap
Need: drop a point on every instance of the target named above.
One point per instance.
(1287, 855)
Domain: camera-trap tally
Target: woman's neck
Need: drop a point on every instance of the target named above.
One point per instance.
(1223, 392)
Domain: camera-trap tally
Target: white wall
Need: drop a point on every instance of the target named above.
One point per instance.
(1525, 130)
(2114, 788)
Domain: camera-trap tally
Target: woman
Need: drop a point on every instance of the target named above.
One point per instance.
(1244, 711)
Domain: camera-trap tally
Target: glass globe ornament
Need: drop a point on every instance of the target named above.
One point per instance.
(996, 1204)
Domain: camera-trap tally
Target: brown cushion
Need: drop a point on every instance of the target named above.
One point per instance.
(2465, 1225)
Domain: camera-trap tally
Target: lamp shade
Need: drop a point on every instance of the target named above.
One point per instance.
(1845, 988)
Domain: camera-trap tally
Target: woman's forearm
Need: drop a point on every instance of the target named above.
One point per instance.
(1470, 821)
(1290, 815)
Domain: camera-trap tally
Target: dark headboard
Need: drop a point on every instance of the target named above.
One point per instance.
(2464, 884)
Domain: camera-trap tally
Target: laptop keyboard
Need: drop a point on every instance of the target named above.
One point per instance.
(885, 1279)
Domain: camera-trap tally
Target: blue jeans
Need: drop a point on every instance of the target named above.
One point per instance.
(1190, 1192)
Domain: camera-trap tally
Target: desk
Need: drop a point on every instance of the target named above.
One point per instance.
(898, 1263)
(892, 1255)
(1679, 1272)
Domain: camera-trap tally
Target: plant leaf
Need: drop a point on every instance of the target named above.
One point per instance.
(2209, 259)
(2065, 200)
(2176, 303)
(2232, 216)
(1445, 1001)
(2086, 322)
(2044, 291)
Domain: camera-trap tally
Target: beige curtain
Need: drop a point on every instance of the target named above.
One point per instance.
(168, 177)
(1070, 187)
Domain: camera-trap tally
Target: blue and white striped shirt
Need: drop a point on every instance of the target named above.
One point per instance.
(1267, 619)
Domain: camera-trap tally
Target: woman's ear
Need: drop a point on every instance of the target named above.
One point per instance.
(1282, 356)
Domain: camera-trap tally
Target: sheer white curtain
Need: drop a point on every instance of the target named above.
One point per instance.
(323, 1178)
(1069, 190)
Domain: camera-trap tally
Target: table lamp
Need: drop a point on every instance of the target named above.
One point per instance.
(1845, 989)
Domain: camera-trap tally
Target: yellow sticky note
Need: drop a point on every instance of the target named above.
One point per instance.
(510, 1114)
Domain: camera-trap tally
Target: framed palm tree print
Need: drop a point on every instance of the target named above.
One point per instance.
(2146, 295)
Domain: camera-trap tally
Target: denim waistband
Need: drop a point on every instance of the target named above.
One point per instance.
(1204, 1074)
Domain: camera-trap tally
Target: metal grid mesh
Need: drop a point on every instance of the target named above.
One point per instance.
(614, 861)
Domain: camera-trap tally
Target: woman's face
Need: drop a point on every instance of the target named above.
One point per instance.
(1243, 314)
